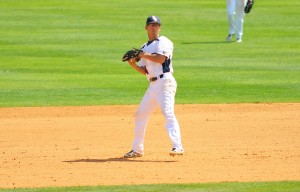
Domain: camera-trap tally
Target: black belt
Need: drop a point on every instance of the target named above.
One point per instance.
(155, 78)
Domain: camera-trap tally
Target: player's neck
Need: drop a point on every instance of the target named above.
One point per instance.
(153, 37)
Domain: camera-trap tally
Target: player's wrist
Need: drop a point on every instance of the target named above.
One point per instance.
(141, 54)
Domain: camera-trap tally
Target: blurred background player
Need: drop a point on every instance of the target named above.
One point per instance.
(236, 14)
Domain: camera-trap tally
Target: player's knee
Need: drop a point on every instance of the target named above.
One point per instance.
(140, 115)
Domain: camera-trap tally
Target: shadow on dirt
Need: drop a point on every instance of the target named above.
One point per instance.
(115, 159)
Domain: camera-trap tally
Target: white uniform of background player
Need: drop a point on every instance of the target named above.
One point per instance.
(156, 63)
(236, 14)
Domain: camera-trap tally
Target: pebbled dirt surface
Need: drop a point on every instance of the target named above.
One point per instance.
(76, 146)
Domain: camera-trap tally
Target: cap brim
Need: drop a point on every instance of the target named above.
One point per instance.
(153, 22)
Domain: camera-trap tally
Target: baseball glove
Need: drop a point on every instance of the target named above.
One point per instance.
(134, 53)
(249, 6)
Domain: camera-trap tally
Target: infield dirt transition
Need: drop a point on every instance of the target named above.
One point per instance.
(76, 146)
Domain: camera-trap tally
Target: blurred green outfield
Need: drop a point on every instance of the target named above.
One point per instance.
(60, 52)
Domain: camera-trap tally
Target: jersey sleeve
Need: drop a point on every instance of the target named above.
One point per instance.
(165, 47)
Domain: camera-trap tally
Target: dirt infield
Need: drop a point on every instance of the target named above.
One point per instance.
(75, 146)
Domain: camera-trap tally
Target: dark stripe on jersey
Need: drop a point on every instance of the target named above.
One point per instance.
(166, 65)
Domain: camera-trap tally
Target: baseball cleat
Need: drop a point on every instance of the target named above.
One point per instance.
(229, 37)
(132, 154)
(239, 40)
(176, 151)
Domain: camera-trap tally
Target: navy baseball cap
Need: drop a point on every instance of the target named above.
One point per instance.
(153, 19)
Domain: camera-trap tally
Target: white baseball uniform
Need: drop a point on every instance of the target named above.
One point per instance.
(160, 93)
(235, 12)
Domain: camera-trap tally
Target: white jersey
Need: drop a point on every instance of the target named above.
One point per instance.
(162, 46)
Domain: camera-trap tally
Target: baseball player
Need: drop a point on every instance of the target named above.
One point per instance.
(235, 12)
(155, 61)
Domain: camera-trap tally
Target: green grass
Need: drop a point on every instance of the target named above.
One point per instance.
(59, 52)
(284, 186)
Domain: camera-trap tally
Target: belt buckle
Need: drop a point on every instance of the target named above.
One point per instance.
(153, 79)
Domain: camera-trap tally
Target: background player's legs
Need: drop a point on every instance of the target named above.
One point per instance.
(231, 4)
(231, 24)
(142, 115)
(240, 18)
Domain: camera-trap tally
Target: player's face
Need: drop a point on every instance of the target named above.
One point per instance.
(153, 29)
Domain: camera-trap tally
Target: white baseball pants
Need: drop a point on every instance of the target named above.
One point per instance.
(235, 12)
(160, 93)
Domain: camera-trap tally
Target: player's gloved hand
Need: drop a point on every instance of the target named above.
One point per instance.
(249, 6)
(134, 53)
